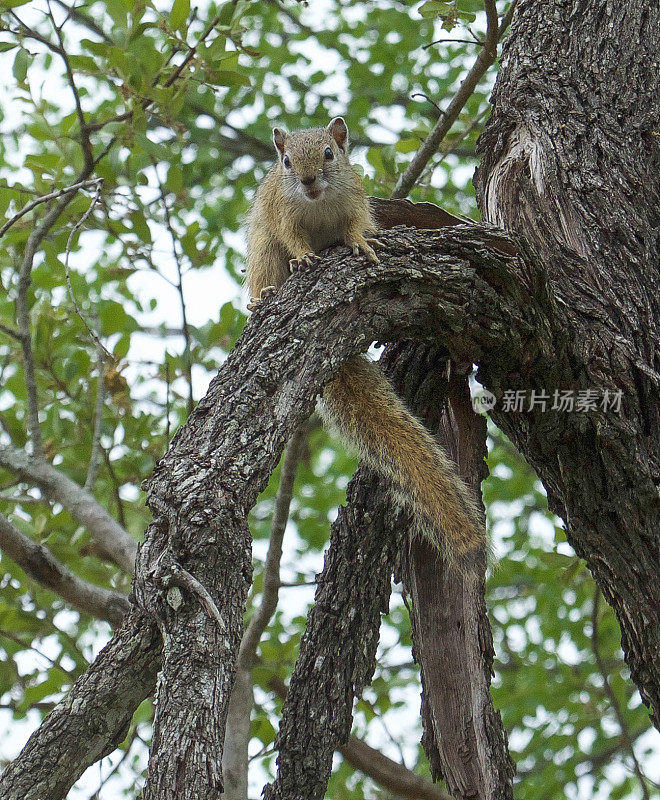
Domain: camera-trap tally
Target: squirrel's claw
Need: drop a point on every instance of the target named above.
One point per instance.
(308, 260)
(263, 294)
(363, 245)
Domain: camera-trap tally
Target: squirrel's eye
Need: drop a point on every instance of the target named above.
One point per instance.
(329, 155)
(287, 161)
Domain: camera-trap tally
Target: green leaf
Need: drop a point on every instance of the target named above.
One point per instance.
(21, 64)
(174, 179)
(121, 348)
(224, 77)
(179, 14)
(407, 145)
(433, 9)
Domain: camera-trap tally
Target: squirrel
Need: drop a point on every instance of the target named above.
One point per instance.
(310, 199)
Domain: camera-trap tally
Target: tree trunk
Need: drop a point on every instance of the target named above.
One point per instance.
(571, 167)
(338, 651)
(463, 735)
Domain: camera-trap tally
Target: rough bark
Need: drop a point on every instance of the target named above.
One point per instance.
(464, 737)
(235, 761)
(571, 165)
(199, 496)
(456, 285)
(389, 774)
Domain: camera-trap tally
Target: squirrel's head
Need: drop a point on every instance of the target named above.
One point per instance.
(313, 161)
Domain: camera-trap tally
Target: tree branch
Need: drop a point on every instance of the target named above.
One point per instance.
(271, 574)
(40, 564)
(45, 198)
(624, 734)
(23, 312)
(185, 330)
(484, 60)
(389, 774)
(96, 455)
(452, 642)
(592, 246)
(237, 731)
(110, 537)
(337, 653)
(85, 142)
(197, 523)
(82, 19)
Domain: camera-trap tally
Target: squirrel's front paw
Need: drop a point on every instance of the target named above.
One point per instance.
(263, 294)
(365, 246)
(308, 260)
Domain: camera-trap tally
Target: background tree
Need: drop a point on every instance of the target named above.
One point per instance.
(171, 109)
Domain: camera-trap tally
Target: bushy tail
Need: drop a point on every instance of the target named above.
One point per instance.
(369, 414)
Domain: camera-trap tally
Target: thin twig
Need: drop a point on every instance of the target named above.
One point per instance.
(271, 574)
(116, 485)
(185, 329)
(193, 50)
(430, 100)
(96, 455)
(474, 36)
(26, 30)
(452, 41)
(29, 646)
(45, 198)
(67, 272)
(176, 575)
(116, 767)
(614, 701)
(87, 22)
(10, 331)
(85, 142)
(451, 146)
(430, 145)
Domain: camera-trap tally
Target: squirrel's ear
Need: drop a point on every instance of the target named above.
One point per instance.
(279, 137)
(339, 132)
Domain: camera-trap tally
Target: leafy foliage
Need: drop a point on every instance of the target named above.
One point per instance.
(172, 106)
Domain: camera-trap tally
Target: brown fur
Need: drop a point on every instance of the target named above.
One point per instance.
(285, 230)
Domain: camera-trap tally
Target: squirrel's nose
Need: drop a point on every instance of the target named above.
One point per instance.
(308, 180)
